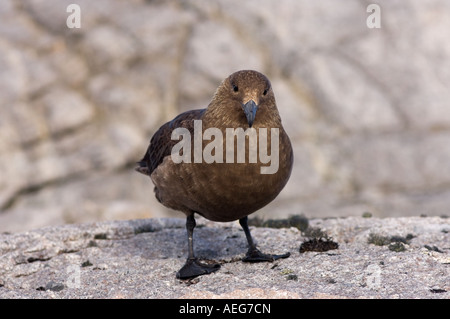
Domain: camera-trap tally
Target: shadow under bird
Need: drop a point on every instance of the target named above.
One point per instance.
(221, 191)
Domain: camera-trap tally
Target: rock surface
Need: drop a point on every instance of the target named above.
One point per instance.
(367, 109)
(139, 259)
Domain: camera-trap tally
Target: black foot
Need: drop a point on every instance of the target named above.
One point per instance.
(193, 268)
(254, 256)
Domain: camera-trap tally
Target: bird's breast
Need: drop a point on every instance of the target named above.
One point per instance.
(223, 189)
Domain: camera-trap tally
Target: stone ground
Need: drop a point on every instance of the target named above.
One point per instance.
(376, 258)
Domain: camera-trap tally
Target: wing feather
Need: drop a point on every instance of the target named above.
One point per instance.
(161, 143)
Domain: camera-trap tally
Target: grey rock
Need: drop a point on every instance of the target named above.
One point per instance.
(139, 259)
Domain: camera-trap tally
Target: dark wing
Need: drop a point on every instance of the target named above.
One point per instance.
(161, 143)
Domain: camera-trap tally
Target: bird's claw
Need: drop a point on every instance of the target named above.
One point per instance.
(193, 268)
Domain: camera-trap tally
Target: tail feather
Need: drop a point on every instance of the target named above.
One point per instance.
(142, 168)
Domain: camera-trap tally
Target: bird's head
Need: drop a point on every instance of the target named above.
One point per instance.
(248, 94)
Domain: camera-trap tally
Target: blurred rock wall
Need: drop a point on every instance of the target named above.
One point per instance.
(367, 109)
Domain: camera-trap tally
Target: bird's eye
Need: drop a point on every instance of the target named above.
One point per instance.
(235, 88)
(265, 91)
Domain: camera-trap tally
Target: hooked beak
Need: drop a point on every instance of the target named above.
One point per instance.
(250, 109)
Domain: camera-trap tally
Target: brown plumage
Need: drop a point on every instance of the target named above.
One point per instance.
(221, 191)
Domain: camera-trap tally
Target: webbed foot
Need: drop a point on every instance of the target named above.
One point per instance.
(193, 268)
(254, 256)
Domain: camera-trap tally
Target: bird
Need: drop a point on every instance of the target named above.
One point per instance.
(221, 191)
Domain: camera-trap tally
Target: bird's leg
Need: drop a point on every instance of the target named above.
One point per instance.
(192, 267)
(253, 254)
(190, 225)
